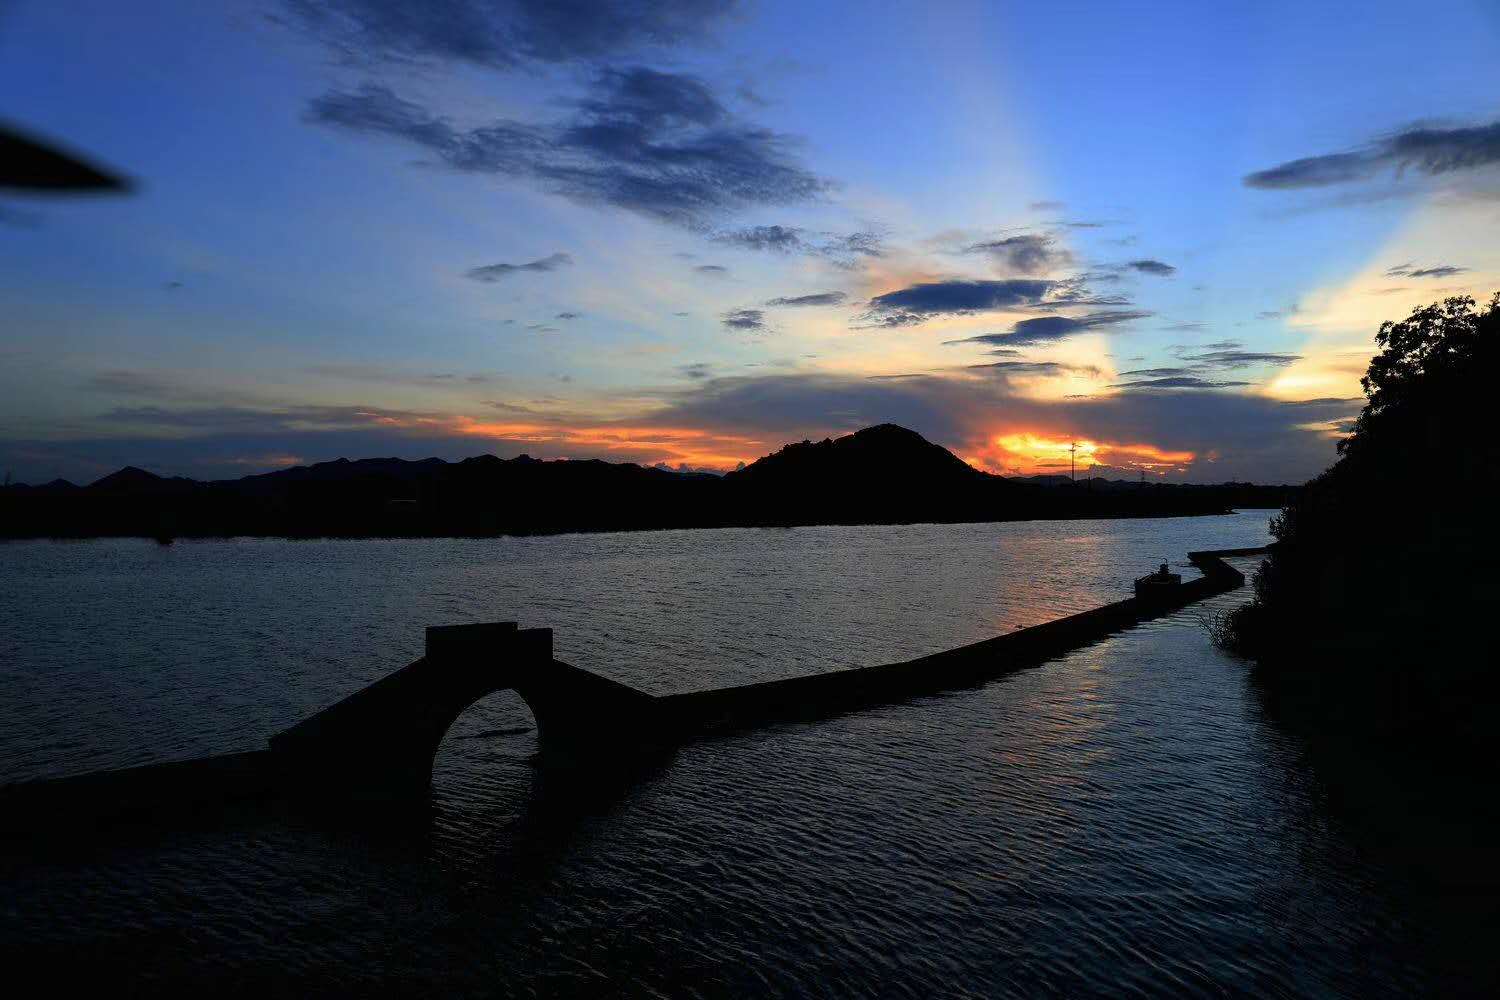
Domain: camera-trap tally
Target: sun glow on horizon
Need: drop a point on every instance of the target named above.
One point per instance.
(1043, 452)
(1030, 453)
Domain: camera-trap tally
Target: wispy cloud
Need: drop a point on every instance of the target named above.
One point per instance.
(1436, 271)
(774, 239)
(816, 299)
(844, 250)
(1045, 329)
(1201, 365)
(1158, 373)
(1028, 253)
(496, 272)
(1427, 150)
(1118, 272)
(381, 375)
(752, 320)
(1030, 368)
(1234, 358)
(1176, 382)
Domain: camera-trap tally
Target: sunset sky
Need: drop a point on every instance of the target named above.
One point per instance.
(692, 231)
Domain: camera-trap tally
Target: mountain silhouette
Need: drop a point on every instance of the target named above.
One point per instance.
(885, 473)
(131, 481)
(874, 456)
(55, 486)
(879, 475)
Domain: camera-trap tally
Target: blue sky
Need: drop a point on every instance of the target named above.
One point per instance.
(688, 232)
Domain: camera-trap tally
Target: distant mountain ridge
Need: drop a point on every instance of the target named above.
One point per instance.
(881, 474)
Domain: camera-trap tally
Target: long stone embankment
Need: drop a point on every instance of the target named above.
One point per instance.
(380, 742)
(815, 694)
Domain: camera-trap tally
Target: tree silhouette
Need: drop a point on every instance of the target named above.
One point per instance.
(1383, 566)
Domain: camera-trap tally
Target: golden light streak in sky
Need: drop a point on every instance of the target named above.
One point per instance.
(1340, 320)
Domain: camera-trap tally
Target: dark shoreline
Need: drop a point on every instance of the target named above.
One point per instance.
(880, 475)
(613, 530)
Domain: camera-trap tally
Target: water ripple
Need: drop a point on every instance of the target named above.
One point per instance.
(1119, 822)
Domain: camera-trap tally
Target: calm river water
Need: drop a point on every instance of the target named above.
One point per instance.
(1122, 820)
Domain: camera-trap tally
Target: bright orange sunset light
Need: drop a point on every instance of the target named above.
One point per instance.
(1027, 452)
(1042, 453)
(1019, 452)
(673, 445)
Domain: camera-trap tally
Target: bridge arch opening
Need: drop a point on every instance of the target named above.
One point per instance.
(487, 756)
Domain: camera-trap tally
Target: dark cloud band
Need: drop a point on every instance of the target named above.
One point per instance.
(1430, 151)
(658, 144)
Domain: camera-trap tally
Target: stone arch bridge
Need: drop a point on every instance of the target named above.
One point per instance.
(380, 742)
(387, 734)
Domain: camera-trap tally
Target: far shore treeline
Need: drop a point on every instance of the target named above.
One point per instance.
(879, 475)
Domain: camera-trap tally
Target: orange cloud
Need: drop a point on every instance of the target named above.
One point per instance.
(647, 445)
(1017, 452)
(259, 461)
